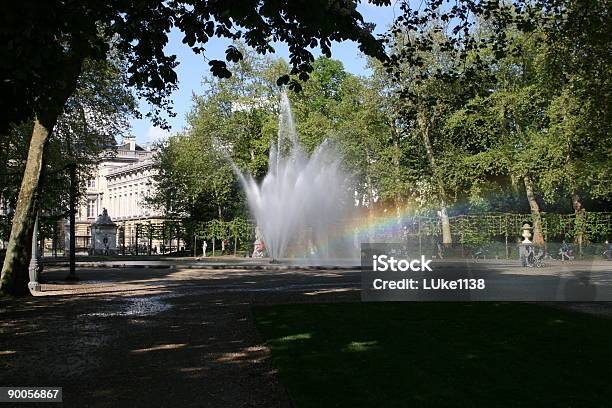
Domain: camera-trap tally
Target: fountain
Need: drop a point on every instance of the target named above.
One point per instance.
(301, 204)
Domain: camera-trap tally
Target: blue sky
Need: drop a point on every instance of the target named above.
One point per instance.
(193, 68)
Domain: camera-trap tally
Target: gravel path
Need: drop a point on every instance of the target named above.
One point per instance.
(145, 338)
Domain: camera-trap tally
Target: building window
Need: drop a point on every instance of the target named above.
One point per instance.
(91, 183)
(91, 208)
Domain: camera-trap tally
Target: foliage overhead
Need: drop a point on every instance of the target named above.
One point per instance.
(47, 41)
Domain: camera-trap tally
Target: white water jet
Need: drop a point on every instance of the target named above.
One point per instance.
(302, 203)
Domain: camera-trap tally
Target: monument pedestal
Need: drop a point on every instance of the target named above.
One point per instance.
(103, 236)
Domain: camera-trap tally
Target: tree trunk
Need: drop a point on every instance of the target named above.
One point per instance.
(72, 218)
(446, 229)
(370, 185)
(538, 238)
(447, 238)
(579, 211)
(397, 174)
(14, 278)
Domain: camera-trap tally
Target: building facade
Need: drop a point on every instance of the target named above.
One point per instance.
(120, 184)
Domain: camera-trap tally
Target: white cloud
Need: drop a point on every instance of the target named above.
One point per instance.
(156, 134)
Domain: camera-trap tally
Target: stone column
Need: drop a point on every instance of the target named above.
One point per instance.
(35, 268)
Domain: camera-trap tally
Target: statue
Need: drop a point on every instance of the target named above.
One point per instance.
(103, 235)
(260, 248)
(526, 233)
(204, 246)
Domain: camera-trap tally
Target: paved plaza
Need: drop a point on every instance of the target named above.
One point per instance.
(176, 333)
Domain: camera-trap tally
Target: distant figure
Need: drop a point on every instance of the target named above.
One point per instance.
(204, 246)
(529, 256)
(533, 259)
(607, 253)
(566, 251)
(525, 253)
(538, 258)
(480, 253)
(440, 250)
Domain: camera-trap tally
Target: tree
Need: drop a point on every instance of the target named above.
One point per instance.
(237, 119)
(431, 84)
(575, 68)
(217, 230)
(96, 112)
(508, 124)
(518, 49)
(229, 126)
(194, 182)
(543, 122)
(46, 44)
(241, 231)
(349, 111)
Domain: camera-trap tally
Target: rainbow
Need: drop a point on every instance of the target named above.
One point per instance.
(364, 225)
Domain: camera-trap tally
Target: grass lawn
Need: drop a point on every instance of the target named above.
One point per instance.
(439, 355)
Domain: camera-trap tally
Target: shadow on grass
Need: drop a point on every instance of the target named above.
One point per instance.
(439, 354)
